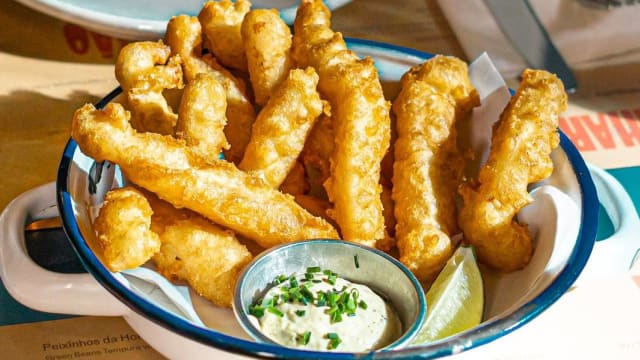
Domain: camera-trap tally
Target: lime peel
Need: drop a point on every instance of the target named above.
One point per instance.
(455, 300)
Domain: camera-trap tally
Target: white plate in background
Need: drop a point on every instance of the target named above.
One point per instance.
(142, 19)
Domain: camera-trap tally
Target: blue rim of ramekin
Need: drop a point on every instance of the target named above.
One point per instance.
(480, 335)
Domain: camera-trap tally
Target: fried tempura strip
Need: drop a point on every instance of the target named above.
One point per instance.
(220, 191)
(123, 229)
(428, 166)
(316, 155)
(314, 42)
(184, 35)
(144, 70)
(267, 44)
(196, 250)
(521, 145)
(361, 125)
(240, 111)
(208, 257)
(282, 126)
(360, 119)
(201, 117)
(221, 22)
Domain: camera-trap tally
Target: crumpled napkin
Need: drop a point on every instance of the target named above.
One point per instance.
(586, 37)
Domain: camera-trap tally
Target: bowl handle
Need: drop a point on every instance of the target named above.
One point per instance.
(616, 254)
(34, 286)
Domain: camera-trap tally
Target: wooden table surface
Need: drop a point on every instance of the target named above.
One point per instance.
(43, 82)
(417, 24)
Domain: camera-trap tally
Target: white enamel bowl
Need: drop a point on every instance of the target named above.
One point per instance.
(215, 333)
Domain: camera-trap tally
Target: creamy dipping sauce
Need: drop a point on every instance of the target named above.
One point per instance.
(318, 310)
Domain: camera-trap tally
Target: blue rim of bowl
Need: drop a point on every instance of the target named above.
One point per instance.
(407, 335)
(480, 335)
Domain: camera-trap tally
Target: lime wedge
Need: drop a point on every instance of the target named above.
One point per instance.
(455, 300)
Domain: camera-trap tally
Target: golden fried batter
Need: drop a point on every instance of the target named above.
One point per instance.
(314, 42)
(428, 166)
(316, 155)
(201, 117)
(315, 206)
(194, 249)
(220, 192)
(361, 122)
(144, 70)
(282, 127)
(184, 35)
(267, 44)
(221, 22)
(521, 145)
(123, 228)
(240, 111)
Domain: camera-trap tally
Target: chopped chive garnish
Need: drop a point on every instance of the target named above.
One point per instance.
(257, 311)
(338, 302)
(332, 298)
(285, 297)
(344, 298)
(334, 340)
(308, 276)
(351, 305)
(355, 261)
(275, 311)
(306, 294)
(336, 316)
(304, 337)
(321, 298)
(331, 278)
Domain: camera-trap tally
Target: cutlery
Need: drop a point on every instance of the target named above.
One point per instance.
(524, 31)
